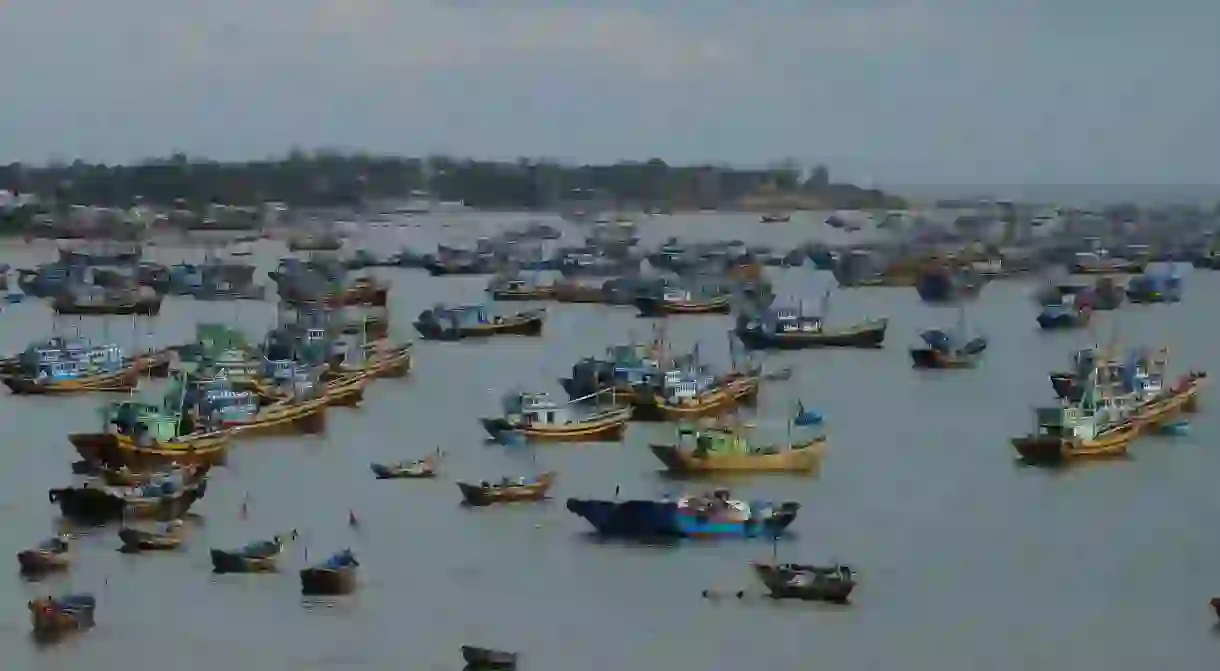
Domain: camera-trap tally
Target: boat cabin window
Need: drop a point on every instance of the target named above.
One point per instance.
(315, 334)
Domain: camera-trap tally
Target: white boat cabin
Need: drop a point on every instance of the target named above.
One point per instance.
(535, 409)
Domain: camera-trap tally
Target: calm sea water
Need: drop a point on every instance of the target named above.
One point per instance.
(967, 560)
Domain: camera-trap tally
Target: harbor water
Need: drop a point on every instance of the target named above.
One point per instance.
(966, 559)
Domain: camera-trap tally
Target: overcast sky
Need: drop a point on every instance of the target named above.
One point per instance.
(896, 91)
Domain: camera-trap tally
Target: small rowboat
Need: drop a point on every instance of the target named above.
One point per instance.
(419, 468)
(507, 491)
(256, 557)
(50, 555)
(140, 540)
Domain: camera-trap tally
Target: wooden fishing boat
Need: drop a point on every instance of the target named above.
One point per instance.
(682, 302)
(805, 582)
(517, 289)
(99, 504)
(417, 468)
(204, 448)
(1100, 425)
(473, 321)
(720, 397)
(1166, 406)
(53, 616)
(286, 416)
(346, 390)
(50, 555)
(486, 658)
(256, 557)
(333, 577)
(380, 361)
(944, 350)
(507, 491)
(725, 449)
(788, 328)
(123, 380)
(140, 540)
(147, 305)
(534, 416)
(572, 291)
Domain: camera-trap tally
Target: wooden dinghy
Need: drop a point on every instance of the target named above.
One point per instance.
(141, 540)
(442, 323)
(732, 392)
(489, 659)
(333, 577)
(205, 448)
(417, 468)
(507, 491)
(718, 450)
(256, 557)
(56, 616)
(123, 380)
(98, 505)
(663, 306)
(49, 556)
(806, 582)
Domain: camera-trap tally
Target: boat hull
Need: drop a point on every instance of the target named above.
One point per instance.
(509, 295)
(308, 417)
(779, 584)
(800, 458)
(328, 582)
(654, 519)
(527, 325)
(124, 380)
(927, 357)
(146, 308)
(659, 307)
(476, 495)
(37, 562)
(1050, 450)
(120, 450)
(138, 540)
(867, 335)
(1063, 321)
(650, 407)
(485, 658)
(51, 618)
(224, 561)
(392, 472)
(95, 506)
(608, 428)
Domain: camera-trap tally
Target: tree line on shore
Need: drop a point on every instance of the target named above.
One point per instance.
(326, 179)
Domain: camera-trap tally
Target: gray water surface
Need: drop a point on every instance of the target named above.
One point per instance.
(967, 560)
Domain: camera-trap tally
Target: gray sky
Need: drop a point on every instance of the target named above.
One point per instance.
(896, 91)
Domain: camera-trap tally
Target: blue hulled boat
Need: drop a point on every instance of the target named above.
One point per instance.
(1155, 288)
(713, 515)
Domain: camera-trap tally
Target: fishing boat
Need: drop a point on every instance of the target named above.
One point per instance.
(945, 350)
(486, 659)
(169, 498)
(53, 616)
(1101, 263)
(677, 301)
(125, 476)
(1155, 288)
(415, 468)
(711, 515)
(518, 289)
(685, 395)
(143, 303)
(142, 435)
(296, 401)
(333, 577)
(726, 449)
(570, 290)
(536, 417)
(255, 557)
(507, 490)
(50, 555)
(167, 537)
(1073, 311)
(805, 582)
(1100, 425)
(791, 328)
(474, 321)
(60, 367)
(775, 218)
(947, 282)
(623, 368)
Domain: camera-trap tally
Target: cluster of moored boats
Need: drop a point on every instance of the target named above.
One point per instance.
(149, 459)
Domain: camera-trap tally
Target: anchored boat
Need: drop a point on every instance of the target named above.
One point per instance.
(725, 449)
(474, 321)
(712, 515)
(536, 417)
